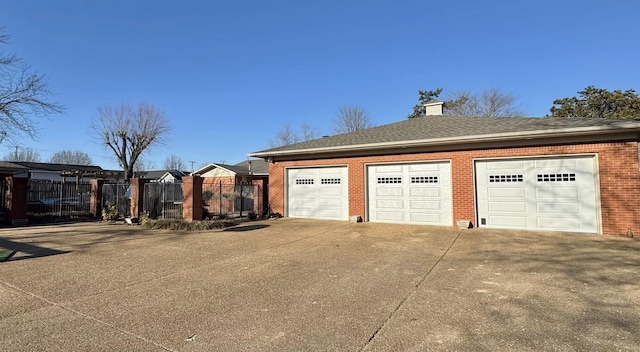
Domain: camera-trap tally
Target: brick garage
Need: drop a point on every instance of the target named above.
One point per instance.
(461, 141)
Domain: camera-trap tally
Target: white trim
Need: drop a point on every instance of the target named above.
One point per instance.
(286, 181)
(367, 197)
(596, 173)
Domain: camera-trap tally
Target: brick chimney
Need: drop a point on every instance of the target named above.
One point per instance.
(433, 108)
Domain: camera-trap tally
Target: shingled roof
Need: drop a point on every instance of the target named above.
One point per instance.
(440, 130)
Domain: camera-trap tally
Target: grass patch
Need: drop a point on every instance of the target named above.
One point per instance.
(181, 225)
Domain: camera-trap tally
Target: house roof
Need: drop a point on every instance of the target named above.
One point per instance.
(158, 174)
(56, 167)
(258, 167)
(6, 166)
(255, 166)
(449, 130)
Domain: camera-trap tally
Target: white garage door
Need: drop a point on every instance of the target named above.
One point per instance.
(416, 193)
(318, 193)
(538, 194)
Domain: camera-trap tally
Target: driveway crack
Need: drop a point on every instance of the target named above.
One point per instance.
(411, 293)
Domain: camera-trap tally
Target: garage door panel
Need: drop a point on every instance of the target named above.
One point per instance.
(410, 193)
(513, 164)
(331, 202)
(508, 206)
(506, 192)
(425, 218)
(561, 224)
(424, 204)
(382, 169)
(551, 193)
(558, 193)
(389, 192)
(425, 192)
(563, 208)
(422, 167)
(509, 221)
(555, 164)
(318, 193)
(389, 216)
(390, 204)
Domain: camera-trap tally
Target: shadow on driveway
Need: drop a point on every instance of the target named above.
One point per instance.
(245, 228)
(32, 250)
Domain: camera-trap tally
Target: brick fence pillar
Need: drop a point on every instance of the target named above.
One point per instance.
(137, 196)
(96, 198)
(192, 198)
(17, 200)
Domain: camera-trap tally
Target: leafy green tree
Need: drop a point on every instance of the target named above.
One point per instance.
(599, 103)
(424, 97)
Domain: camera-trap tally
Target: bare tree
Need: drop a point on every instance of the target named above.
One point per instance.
(129, 131)
(70, 157)
(285, 136)
(351, 118)
(23, 154)
(489, 103)
(24, 95)
(144, 164)
(308, 132)
(174, 162)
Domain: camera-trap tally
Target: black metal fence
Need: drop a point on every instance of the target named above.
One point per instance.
(115, 194)
(231, 200)
(163, 200)
(59, 199)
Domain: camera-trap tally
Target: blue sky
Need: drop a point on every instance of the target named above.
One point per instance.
(229, 74)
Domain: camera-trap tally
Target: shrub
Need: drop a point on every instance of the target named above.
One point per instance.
(181, 225)
(110, 213)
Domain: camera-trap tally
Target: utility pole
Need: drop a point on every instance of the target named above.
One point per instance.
(192, 162)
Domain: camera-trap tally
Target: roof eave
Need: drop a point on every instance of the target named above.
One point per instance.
(476, 139)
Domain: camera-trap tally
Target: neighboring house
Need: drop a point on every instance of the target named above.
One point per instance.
(162, 176)
(55, 172)
(576, 175)
(247, 172)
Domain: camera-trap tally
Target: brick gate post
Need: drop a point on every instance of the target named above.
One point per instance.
(192, 198)
(96, 197)
(137, 196)
(17, 199)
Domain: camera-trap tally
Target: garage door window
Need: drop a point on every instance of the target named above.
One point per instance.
(505, 178)
(304, 181)
(382, 180)
(556, 177)
(330, 181)
(424, 179)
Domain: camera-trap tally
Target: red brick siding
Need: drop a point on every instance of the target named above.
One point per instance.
(618, 173)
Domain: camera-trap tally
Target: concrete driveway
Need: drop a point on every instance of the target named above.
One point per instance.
(303, 285)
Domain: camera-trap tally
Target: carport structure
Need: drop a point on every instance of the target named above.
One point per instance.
(575, 175)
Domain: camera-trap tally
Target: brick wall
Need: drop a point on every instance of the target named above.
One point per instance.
(618, 171)
(17, 199)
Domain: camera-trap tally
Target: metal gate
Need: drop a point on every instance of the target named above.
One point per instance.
(115, 194)
(231, 199)
(163, 200)
(59, 199)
